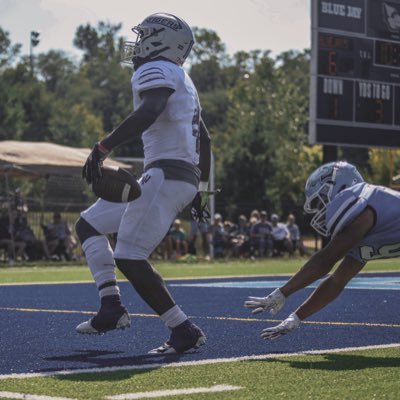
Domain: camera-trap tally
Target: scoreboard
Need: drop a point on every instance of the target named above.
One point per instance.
(355, 73)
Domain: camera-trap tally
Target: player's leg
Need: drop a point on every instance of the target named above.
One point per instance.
(145, 223)
(91, 228)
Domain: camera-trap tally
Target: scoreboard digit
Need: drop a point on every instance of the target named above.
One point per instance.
(355, 73)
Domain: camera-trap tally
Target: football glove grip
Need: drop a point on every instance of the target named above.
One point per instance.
(199, 210)
(272, 303)
(291, 323)
(92, 169)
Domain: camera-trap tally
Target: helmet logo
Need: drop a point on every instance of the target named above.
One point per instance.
(165, 22)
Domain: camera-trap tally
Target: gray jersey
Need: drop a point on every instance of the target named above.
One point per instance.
(383, 240)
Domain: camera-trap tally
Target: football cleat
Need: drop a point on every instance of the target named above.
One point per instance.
(184, 337)
(105, 321)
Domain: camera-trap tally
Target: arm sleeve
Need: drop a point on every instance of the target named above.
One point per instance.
(205, 153)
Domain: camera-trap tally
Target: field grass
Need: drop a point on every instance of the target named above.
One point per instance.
(370, 374)
(57, 272)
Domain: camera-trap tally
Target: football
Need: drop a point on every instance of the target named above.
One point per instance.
(116, 185)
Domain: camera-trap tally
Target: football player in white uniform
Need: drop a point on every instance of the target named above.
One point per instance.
(363, 221)
(177, 154)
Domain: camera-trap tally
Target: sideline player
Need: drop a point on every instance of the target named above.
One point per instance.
(177, 157)
(363, 221)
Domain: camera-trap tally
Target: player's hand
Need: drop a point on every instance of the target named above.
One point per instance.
(92, 169)
(272, 303)
(291, 323)
(199, 210)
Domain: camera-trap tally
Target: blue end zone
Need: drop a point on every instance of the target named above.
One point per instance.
(375, 283)
(40, 336)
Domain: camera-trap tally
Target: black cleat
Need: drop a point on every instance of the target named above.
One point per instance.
(104, 321)
(184, 337)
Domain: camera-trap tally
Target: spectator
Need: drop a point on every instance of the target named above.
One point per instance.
(202, 228)
(218, 236)
(34, 249)
(178, 238)
(255, 215)
(14, 249)
(281, 236)
(261, 234)
(295, 236)
(241, 238)
(59, 237)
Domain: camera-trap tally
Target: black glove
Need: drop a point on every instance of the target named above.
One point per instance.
(199, 211)
(92, 169)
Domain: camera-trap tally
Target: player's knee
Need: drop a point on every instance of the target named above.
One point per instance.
(84, 230)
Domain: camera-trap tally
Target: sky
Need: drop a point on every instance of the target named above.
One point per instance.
(276, 25)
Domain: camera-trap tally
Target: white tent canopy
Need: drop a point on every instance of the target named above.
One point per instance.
(42, 159)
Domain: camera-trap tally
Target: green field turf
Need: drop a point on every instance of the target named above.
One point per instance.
(363, 375)
(72, 273)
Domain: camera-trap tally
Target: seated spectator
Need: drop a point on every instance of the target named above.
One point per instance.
(35, 249)
(59, 237)
(281, 236)
(261, 235)
(201, 228)
(295, 236)
(178, 239)
(219, 238)
(240, 238)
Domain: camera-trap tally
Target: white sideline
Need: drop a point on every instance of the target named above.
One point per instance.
(193, 363)
(24, 396)
(174, 392)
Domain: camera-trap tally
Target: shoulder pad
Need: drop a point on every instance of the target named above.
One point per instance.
(345, 207)
(153, 75)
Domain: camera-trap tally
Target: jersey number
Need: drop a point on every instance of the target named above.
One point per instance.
(385, 251)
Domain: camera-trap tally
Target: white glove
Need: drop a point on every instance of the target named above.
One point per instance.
(291, 323)
(272, 303)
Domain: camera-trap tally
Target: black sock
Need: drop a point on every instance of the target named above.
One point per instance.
(148, 283)
(110, 301)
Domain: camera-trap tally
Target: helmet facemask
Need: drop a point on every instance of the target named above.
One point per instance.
(323, 186)
(317, 204)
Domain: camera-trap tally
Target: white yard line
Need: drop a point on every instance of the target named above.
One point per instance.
(24, 396)
(174, 392)
(193, 363)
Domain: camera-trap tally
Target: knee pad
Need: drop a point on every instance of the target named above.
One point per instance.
(84, 230)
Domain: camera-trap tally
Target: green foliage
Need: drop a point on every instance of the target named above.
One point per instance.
(7, 51)
(255, 106)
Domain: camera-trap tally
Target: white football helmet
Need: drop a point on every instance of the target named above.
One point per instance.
(323, 185)
(159, 35)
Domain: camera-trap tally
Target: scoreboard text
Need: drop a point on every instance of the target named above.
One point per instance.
(355, 73)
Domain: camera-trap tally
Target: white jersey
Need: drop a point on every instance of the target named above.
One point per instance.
(175, 133)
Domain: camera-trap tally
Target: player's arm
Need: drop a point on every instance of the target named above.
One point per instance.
(324, 260)
(199, 209)
(154, 102)
(332, 286)
(205, 155)
(318, 265)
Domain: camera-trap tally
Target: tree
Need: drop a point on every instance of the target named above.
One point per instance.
(8, 52)
(56, 69)
(110, 82)
(258, 156)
